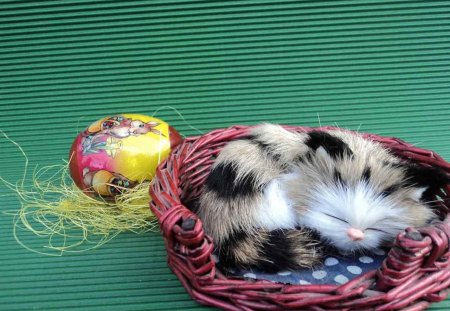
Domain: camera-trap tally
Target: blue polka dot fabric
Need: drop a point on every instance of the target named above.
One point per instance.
(337, 269)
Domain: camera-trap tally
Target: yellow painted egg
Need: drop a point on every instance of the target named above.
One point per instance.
(119, 151)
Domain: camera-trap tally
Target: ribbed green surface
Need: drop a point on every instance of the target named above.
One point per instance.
(380, 66)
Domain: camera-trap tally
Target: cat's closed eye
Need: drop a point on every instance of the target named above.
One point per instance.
(335, 217)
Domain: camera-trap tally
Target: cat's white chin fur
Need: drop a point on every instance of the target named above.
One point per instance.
(359, 207)
(334, 209)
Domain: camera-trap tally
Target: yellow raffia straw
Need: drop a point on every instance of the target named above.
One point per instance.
(54, 208)
(179, 114)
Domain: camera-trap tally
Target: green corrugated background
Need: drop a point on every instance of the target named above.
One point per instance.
(381, 66)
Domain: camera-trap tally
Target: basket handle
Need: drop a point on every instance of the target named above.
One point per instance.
(185, 238)
(425, 249)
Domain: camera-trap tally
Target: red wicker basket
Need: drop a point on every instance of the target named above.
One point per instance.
(415, 273)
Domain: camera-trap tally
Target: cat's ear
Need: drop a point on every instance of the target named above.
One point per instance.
(323, 153)
(428, 180)
(417, 193)
(323, 142)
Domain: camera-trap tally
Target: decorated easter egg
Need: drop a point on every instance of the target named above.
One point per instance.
(119, 151)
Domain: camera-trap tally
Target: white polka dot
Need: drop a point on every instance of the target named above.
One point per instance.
(303, 282)
(366, 259)
(341, 279)
(354, 269)
(250, 275)
(284, 273)
(331, 261)
(379, 252)
(320, 274)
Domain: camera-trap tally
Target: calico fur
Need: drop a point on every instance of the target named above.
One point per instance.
(273, 199)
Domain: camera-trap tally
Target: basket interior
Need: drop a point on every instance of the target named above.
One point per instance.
(346, 268)
(419, 256)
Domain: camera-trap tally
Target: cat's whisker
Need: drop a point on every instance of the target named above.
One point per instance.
(359, 127)
(318, 118)
(375, 229)
(434, 201)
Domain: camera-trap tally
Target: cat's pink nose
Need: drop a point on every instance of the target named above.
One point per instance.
(355, 234)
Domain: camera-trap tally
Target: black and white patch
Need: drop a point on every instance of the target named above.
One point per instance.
(224, 182)
(367, 173)
(334, 146)
(265, 148)
(287, 249)
(430, 178)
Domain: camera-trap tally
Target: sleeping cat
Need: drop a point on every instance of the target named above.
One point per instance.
(272, 199)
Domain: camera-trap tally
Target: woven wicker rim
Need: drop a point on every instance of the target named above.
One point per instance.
(415, 273)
